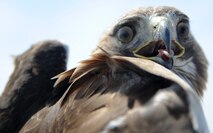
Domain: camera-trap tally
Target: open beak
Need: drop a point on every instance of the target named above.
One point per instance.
(162, 49)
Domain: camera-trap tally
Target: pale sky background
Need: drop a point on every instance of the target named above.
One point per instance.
(80, 24)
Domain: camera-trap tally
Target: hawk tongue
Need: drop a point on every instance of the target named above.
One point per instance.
(165, 55)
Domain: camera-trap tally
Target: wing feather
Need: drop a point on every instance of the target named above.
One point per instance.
(62, 77)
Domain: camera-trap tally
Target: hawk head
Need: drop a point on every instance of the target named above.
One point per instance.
(162, 35)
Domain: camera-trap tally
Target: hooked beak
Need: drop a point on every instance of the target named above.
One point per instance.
(163, 49)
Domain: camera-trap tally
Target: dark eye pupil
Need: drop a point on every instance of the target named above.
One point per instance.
(183, 30)
(125, 34)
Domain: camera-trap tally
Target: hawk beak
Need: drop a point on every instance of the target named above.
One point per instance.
(162, 49)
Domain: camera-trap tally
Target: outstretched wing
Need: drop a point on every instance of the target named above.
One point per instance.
(29, 88)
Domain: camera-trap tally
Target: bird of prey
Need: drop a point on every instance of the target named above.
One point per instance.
(29, 87)
(146, 75)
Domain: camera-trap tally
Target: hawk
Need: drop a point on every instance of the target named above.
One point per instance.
(146, 75)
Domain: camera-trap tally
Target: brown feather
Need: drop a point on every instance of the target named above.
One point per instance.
(63, 76)
(91, 74)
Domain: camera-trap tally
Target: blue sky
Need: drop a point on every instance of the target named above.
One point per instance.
(80, 24)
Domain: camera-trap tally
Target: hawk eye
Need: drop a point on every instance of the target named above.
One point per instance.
(125, 34)
(183, 29)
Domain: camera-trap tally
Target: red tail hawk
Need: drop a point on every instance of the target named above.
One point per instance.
(144, 76)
